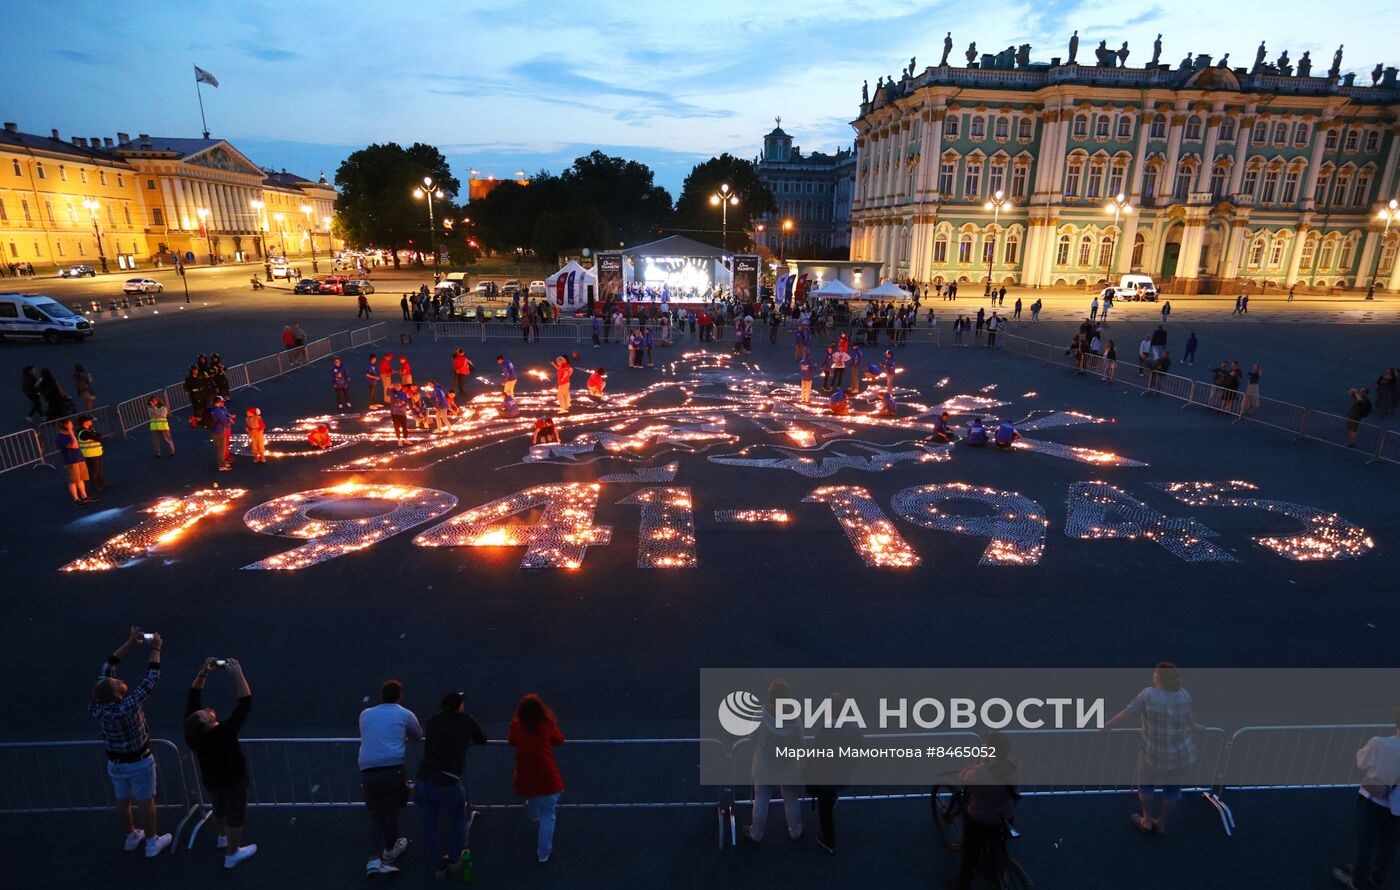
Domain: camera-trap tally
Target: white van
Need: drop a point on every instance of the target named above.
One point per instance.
(35, 315)
(1136, 287)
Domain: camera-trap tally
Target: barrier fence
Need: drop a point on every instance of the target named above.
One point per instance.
(1376, 442)
(70, 777)
(579, 331)
(21, 449)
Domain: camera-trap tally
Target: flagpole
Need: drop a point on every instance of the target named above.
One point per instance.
(200, 94)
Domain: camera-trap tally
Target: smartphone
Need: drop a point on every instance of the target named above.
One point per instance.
(148, 638)
(221, 663)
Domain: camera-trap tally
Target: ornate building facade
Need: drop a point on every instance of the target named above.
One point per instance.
(1233, 175)
(812, 191)
(132, 201)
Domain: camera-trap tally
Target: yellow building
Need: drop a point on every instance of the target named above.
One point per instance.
(145, 201)
(68, 203)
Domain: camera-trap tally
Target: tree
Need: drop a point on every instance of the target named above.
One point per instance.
(697, 218)
(623, 191)
(376, 204)
(559, 230)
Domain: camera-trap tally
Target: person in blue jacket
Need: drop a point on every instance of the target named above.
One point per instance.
(1005, 435)
(839, 405)
(942, 432)
(507, 376)
(888, 366)
(888, 406)
(340, 382)
(976, 433)
(807, 368)
(647, 342)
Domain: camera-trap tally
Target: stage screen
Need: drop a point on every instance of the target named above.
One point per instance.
(609, 272)
(746, 278)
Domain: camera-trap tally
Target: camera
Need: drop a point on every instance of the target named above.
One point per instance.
(148, 638)
(221, 662)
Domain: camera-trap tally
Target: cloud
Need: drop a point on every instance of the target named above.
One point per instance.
(81, 57)
(1147, 15)
(269, 53)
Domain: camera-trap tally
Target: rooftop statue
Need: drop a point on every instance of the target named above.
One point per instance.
(947, 48)
(1073, 47)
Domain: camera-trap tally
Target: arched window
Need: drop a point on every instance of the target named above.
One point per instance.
(1101, 127)
(1353, 141)
(1256, 252)
(1218, 176)
(1125, 126)
(1081, 126)
(1159, 127)
(1280, 133)
(1261, 131)
(1086, 246)
(1011, 252)
(1270, 187)
(1019, 174)
(1094, 183)
(1290, 185)
(1193, 128)
(1276, 253)
(1387, 257)
(940, 249)
(1339, 190)
(62, 173)
(1251, 179)
(1348, 253)
(1139, 245)
(1329, 251)
(996, 176)
(988, 249)
(972, 179)
(1150, 177)
(1116, 174)
(1227, 130)
(1062, 251)
(1073, 173)
(965, 248)
(39, 171)
(978, 128)
(1305, 260)
(1025, 130)
(1300, 135)
(1182, 186)
(1003, 130)
(1105, 251)
(950, 125)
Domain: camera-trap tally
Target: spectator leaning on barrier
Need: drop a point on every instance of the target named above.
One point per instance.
(991, 804)
(834, 737)
(221, 764)
(534, 733)
(130, 764)
(769, 771)
(442, 788)
(1377, 812)
(384, 729)
(1167, 749)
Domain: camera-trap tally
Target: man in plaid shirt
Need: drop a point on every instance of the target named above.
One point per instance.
(130, 764)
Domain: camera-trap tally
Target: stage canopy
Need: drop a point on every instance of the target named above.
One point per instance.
(675, 246)
(836, 289)
(887, 291)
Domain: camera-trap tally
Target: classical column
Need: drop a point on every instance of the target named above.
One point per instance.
(1124, 262)
(1394, 283)
(1368, 258)
(184, 206)
(1173, 155)
(1316, 159)
(1295, 256)
(931, 147)
(1243, 133)
(1388, 185)
(1208, 154)
(1140, 156)
(1235, 250)
(170, 211)
(858, 189)
(1188, 263)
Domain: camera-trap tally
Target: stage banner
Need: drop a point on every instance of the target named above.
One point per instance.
(746, 278)
(609, 271)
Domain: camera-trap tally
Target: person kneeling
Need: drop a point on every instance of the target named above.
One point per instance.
(596, 383)
(1006, 436)
(320, 437)
(888, 406)
(942, 432)
(839, 405)
(545, 432)
(976, 433)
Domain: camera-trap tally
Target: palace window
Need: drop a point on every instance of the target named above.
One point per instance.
(1270, 187)
(72, 214)
(1105, 250)
(82, 175)
(1125, 126)
(1280, 133)
(1094, 182)
(1182, 186)
(18, 170)
(1387, 258)
(972, 180)
(996, 178)
(1227, 130)
(1329, 251)
(102, 177)
(1339, 191)
(1116, 175)
(1276, 254)
(1256, 253)
(1149, 180)
(1086, 246)
(1159, 127)
(1373, 141)
(62, 173)
(1139, 245)
(121, 181)
(950, 126)
(940, 249)
(4, 217)
(39, 169)
(24, 205)
(58, 243)
(1101, 127)
(1330, 142)
(1217, 181)
(1011, 252)
(1024, 130)
(1062, 251)
(150, 185)
(946, 173)
(1300, 135)
(978, 128)
(1261, 132)
(1003, 130)
(1251, 180)
(1348, 253)
(1072, 175)
(1290, 186)
(1360, 191)
(1193, 128)
(965, 249)
(988, 250)
(1320, 193)
(111, 216)
(157, 218)
(1353, 140)
(48, 205)
(126, 211)
(1081, 126)
(1018, 180)
(1305, 260)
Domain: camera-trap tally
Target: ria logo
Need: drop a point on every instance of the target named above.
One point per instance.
(740, 713)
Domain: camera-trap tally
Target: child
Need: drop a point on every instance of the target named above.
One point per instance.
(545, 431)
(510, 407)
(398, 412)
(320, 437)
(596, 383)
(888, 406)
(257, 435)
(90, 443)
(839, 405)
(159, 416)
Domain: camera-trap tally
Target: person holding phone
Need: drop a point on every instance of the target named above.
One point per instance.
(130, 764)
(221, 764)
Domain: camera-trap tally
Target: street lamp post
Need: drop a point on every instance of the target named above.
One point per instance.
(1390, 213)
(261, 208)
(1118, 207)
(92, 205)
(203, 214)
(307, 209)
(787, 227)
(998, 202)
(429, 191)
(281, 235)
(724, 198)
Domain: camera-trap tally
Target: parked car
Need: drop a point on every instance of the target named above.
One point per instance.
(538, 289)
(307, 286)
(281, 271)
(77, 272)
(35, 315)
(142, 286)
(358, 286)
(1136, 287)
(332, 285)
(511, 286)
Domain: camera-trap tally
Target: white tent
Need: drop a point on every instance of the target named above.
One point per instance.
(568, 287)
(835, 289)
(888, 290)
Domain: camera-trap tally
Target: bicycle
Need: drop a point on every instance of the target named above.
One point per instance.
(948, 800)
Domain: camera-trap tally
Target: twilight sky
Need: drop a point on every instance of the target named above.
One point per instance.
(509, 85)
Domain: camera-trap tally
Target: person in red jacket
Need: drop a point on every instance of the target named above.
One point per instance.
(534, 734)
(405, 371)
(564, 371)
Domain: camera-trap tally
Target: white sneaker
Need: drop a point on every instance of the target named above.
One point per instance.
(134, 839)
(221, 843)
(239, 855)
(376, 867)
(399, 846)
(156, 845)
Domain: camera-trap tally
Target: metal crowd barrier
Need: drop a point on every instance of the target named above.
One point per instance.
(104, 417)
(21, 449)
(1310, 757)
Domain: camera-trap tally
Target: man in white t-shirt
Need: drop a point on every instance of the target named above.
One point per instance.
(1377, 812)
(384, 729)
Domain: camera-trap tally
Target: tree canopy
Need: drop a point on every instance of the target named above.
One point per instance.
(697, 218)
(376, 204)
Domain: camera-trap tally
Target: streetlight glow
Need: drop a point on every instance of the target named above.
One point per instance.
(997, 204)
(724, 198)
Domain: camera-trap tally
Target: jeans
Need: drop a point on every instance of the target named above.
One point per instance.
(1377, 836)
(385, 795)
(541, 809)
(434, 801)
(792, 808)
